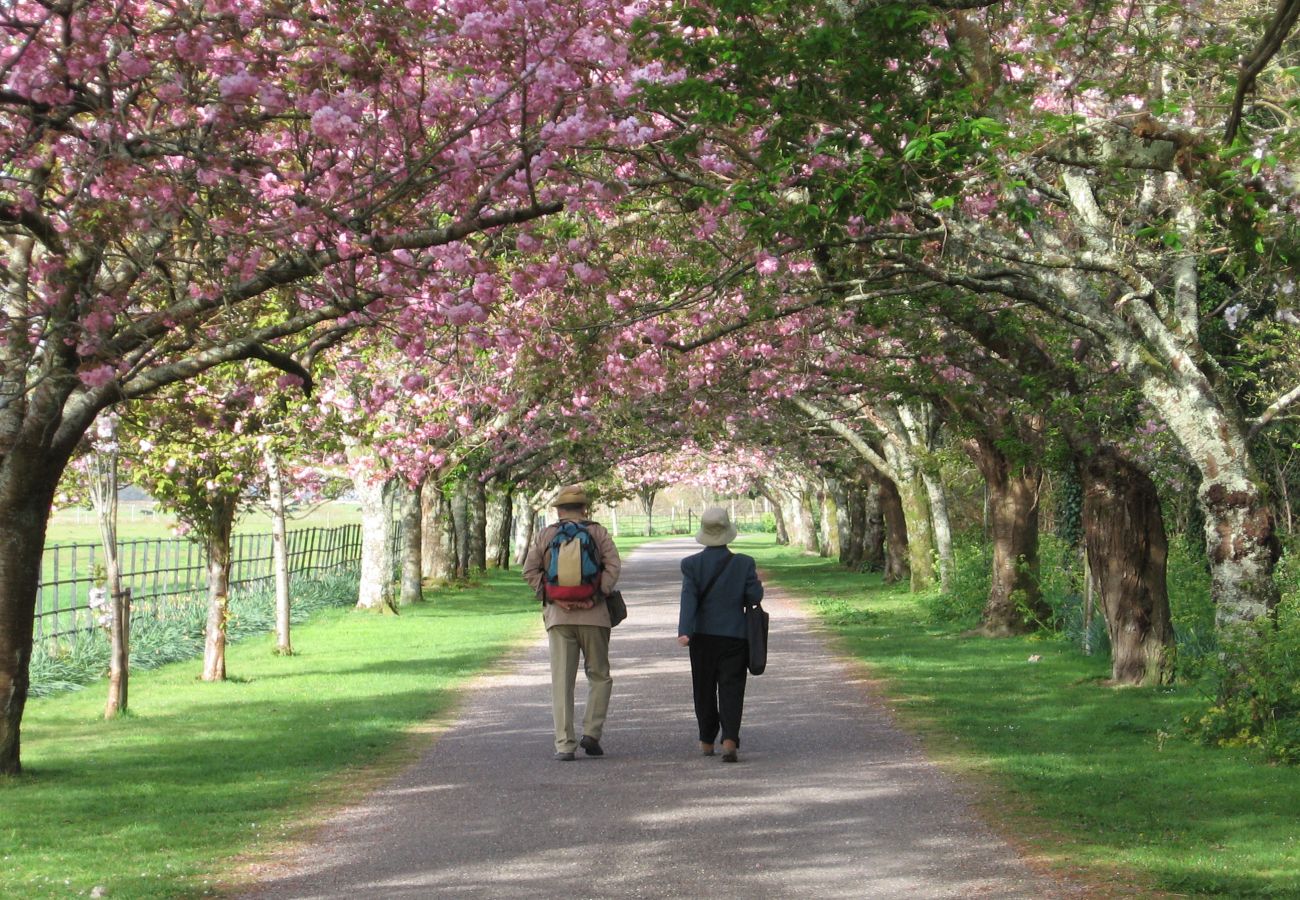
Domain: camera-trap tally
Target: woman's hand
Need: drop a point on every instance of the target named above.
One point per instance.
(684, 640)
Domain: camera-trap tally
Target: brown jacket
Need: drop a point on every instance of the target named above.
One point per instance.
(539, 558)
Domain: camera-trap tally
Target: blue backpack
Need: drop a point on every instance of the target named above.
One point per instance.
(574, 566)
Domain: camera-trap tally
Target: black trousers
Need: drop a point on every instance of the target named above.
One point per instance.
(719, 667)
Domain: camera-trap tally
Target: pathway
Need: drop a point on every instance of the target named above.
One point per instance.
(829, 800)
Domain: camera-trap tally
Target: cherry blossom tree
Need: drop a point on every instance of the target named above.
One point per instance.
(185, 186)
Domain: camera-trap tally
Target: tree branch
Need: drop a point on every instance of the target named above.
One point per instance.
(1283, 21)
(1277, 407)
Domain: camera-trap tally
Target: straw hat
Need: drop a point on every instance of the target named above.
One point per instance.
(572, 495)
(716, 529)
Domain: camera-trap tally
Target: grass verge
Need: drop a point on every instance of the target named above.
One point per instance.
(158, 803)
(1095, 780)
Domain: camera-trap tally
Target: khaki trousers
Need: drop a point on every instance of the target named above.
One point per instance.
(566, 642)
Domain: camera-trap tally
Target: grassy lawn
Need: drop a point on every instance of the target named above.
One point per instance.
(143, 521)
(158, 804)
(1095, 779)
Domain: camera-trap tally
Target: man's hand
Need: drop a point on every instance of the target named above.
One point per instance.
(684, 640)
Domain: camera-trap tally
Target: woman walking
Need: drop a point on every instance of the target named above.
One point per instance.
(717, 585)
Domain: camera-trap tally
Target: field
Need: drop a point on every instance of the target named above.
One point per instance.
(141, 519)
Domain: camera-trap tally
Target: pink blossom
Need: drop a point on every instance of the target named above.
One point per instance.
(98, 376)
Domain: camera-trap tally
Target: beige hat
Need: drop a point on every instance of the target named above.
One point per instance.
(572, 495)
(716, 529)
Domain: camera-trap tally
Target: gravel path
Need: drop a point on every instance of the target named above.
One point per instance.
(829, 800)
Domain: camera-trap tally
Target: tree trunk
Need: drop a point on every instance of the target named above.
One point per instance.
(834, 520)
(279, 553)
(897, 555)
(873, 537)
(525, 527)
(1015, 603)
(854, 538)
(502, 522)
(221, 521)
(809, 518)
(778, 516)
(1125, 535)
(460, 524)
(942, 528)
(412, 588)
(378, 497)
(648, 506)
(438, 553)
(920, 536)
(103, 495)
(27, 484)
(478, 524)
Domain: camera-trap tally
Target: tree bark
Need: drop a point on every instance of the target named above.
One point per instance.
(1125, 535)
(810, 518)
(1015, 603)
(833, 518)
(378, 498)
(501, 528)
(279, 553)
(915, 427)
(412, 587)
(438, 553)
(873, 537)
(897, 555)
(854, 539)
(778, 516)
(27, 484)
(916, 523)
(460, 524)
(478, 542)
(221, 521)
(648, 507)
(103, 494)
(938, 499)
(525, 516)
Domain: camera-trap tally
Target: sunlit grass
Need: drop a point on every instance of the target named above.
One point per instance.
(1098, 779)
(157, 803)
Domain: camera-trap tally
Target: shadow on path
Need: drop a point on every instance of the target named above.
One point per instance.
(829, 800)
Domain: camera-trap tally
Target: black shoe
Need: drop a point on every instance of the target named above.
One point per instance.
(565, 756)
(591, 746)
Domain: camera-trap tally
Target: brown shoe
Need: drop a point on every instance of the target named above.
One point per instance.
(729, 749)
(706, 749)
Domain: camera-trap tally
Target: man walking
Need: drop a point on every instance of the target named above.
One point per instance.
(572, 565)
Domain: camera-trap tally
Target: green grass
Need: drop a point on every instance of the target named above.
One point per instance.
(143, 521)
(1096, 779)
(159, 803)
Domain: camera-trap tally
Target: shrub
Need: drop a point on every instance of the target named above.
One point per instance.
(963, 605)
(1256, 689)
(75, 660)
(1191, 606)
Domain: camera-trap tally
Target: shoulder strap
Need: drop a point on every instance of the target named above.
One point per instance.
(716, 575)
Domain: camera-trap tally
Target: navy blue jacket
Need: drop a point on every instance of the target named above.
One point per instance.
(723, 612)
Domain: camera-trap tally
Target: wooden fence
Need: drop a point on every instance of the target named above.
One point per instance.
(164, 574)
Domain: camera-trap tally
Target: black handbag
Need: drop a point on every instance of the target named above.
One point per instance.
(756, 620)
(617, 608)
